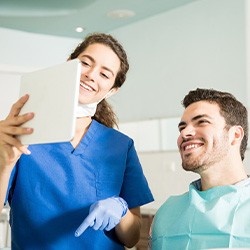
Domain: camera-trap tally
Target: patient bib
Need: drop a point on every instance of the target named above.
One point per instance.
(216, 218)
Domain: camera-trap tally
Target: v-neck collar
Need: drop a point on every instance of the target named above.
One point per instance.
(86, 140)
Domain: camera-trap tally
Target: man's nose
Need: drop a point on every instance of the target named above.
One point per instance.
(188, 131)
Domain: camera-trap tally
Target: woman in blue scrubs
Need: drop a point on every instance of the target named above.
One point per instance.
(82, 194)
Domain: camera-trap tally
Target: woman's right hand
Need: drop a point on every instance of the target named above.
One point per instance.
(11, 147)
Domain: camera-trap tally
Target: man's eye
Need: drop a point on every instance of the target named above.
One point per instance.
(202, 121)
(180, 128)
(104, 75)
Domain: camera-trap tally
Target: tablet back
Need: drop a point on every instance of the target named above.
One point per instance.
(53, 98)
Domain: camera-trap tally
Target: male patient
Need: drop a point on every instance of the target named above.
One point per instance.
(215, 213)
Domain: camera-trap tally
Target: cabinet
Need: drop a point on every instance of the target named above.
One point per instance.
(143, 243)
(5, 240)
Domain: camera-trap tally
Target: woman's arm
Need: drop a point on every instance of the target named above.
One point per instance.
(10, 147)
(128, 230)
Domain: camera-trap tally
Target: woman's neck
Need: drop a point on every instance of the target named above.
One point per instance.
(82, 125)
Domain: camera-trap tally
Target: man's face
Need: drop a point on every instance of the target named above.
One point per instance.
(203, 139)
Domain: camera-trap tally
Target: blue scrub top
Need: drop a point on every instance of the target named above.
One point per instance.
(51, 190)
(216, 218)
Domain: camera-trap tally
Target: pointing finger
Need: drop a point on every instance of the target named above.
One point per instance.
(88, 222)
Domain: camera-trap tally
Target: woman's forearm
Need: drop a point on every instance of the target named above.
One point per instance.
(128, 230)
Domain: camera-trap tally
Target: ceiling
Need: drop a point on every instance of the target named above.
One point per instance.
(62, 17)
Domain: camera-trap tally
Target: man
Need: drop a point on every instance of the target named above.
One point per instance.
(215, 213)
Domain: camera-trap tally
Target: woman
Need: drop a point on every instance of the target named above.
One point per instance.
(82, 194)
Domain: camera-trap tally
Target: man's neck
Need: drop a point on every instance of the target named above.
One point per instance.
(222, 176)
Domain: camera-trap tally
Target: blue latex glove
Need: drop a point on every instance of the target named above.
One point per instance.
(104, 214)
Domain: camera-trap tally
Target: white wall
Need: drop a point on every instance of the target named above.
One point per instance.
(23, 52)
(202, 44)
(199, 44)
(27, 51)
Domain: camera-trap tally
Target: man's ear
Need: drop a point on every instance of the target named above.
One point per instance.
(112, 92)
(237, 134)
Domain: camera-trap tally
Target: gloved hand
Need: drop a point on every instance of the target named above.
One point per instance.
(104, 214)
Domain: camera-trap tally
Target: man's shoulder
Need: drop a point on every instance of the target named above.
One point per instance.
(174, 201)
(168, 214)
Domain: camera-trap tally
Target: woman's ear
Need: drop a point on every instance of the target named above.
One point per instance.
(111, 92)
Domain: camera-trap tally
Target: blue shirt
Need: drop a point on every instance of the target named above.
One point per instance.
(216, 218)
(51, 190)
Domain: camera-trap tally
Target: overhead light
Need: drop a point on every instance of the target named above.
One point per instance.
(121, 13)
(79, 29)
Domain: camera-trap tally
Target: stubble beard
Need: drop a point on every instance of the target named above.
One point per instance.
(206, 159)
(195, 164)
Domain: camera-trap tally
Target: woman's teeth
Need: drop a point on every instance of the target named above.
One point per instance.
(86, 86)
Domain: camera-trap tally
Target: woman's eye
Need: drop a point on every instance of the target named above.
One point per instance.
(85, 63)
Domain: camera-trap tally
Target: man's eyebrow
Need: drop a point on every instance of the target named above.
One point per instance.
(195, 118)
(200, 116)
(93, 60)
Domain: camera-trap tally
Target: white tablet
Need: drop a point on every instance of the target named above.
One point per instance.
(53, 98)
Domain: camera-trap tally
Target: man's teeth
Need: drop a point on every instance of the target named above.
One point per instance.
(191, 146)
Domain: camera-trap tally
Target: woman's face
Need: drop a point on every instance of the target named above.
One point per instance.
(100, 66)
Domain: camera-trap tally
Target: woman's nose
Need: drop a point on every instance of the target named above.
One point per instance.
(89, 73)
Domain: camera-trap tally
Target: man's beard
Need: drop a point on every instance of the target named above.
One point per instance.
(206, 159)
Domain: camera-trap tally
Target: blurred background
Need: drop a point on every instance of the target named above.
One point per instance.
(173, 46)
